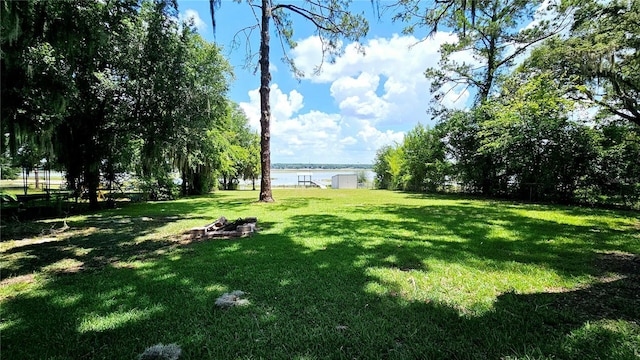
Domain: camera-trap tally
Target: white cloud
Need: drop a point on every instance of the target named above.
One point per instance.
(387, 85)
(349, 140)
(283, 106)
(382, 56)
(379, 97)
(376, 138)
(326, 138)
(357, 97)
(454, 96)
(191, 14)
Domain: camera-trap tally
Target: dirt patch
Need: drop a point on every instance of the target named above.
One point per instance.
(625, 264)
(27, 279)
(65, 266)
(15, 230)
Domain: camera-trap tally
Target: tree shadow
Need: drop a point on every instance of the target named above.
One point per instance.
(128, 233)
(503, 236)
(316, 302)
(86, 245)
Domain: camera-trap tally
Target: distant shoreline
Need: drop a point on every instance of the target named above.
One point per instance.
(300, 166)
(292, 177)
(318, 170)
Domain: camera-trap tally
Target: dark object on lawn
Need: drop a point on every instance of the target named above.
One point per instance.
(222, 228)
(161, 352)
(228, 300)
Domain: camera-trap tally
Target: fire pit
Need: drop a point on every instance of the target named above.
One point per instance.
(223, 228)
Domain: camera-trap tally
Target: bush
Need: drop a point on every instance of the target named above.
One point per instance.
(9, 173)
(158, 189)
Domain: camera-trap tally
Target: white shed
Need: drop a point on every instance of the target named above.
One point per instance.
(344, 181)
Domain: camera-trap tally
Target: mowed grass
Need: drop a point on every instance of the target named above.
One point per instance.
(333, 274)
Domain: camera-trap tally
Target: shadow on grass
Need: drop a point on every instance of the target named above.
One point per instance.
(86, 245)
(105, 237)
(497, 237)
(315, 302)
(500, 236)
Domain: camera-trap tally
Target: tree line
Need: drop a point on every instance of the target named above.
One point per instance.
(126, 86)
(563, 125)
(100, 88)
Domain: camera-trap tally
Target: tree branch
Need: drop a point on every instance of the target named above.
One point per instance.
(609, 107)
(307, 15)
(530, 43)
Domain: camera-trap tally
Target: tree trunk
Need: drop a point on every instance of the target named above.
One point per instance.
(184, 182)
(93, 121)
(92, 168)
(491, 61)
(265, 108)
(92, 180)
(488, 166)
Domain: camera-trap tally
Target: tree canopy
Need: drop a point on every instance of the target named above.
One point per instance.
(598, 56)
(102, 88)
(489, 31)
(532, 132)
(99, 89)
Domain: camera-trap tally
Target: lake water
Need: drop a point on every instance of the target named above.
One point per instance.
(290, 177)
(279, 177)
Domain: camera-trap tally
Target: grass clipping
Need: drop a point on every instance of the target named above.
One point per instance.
(228, 300)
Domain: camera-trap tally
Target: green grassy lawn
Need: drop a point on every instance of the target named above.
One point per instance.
(333, 274)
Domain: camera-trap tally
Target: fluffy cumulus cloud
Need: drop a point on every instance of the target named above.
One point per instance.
(357, 96)
(283, 106)
(192, 15)
(375, 138)
(379, 96)
(296, 136)
(316, 136)
(385, 83)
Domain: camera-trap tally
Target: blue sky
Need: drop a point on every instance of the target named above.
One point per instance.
(354, 107)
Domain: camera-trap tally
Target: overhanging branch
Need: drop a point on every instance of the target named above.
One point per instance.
(311, 16)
